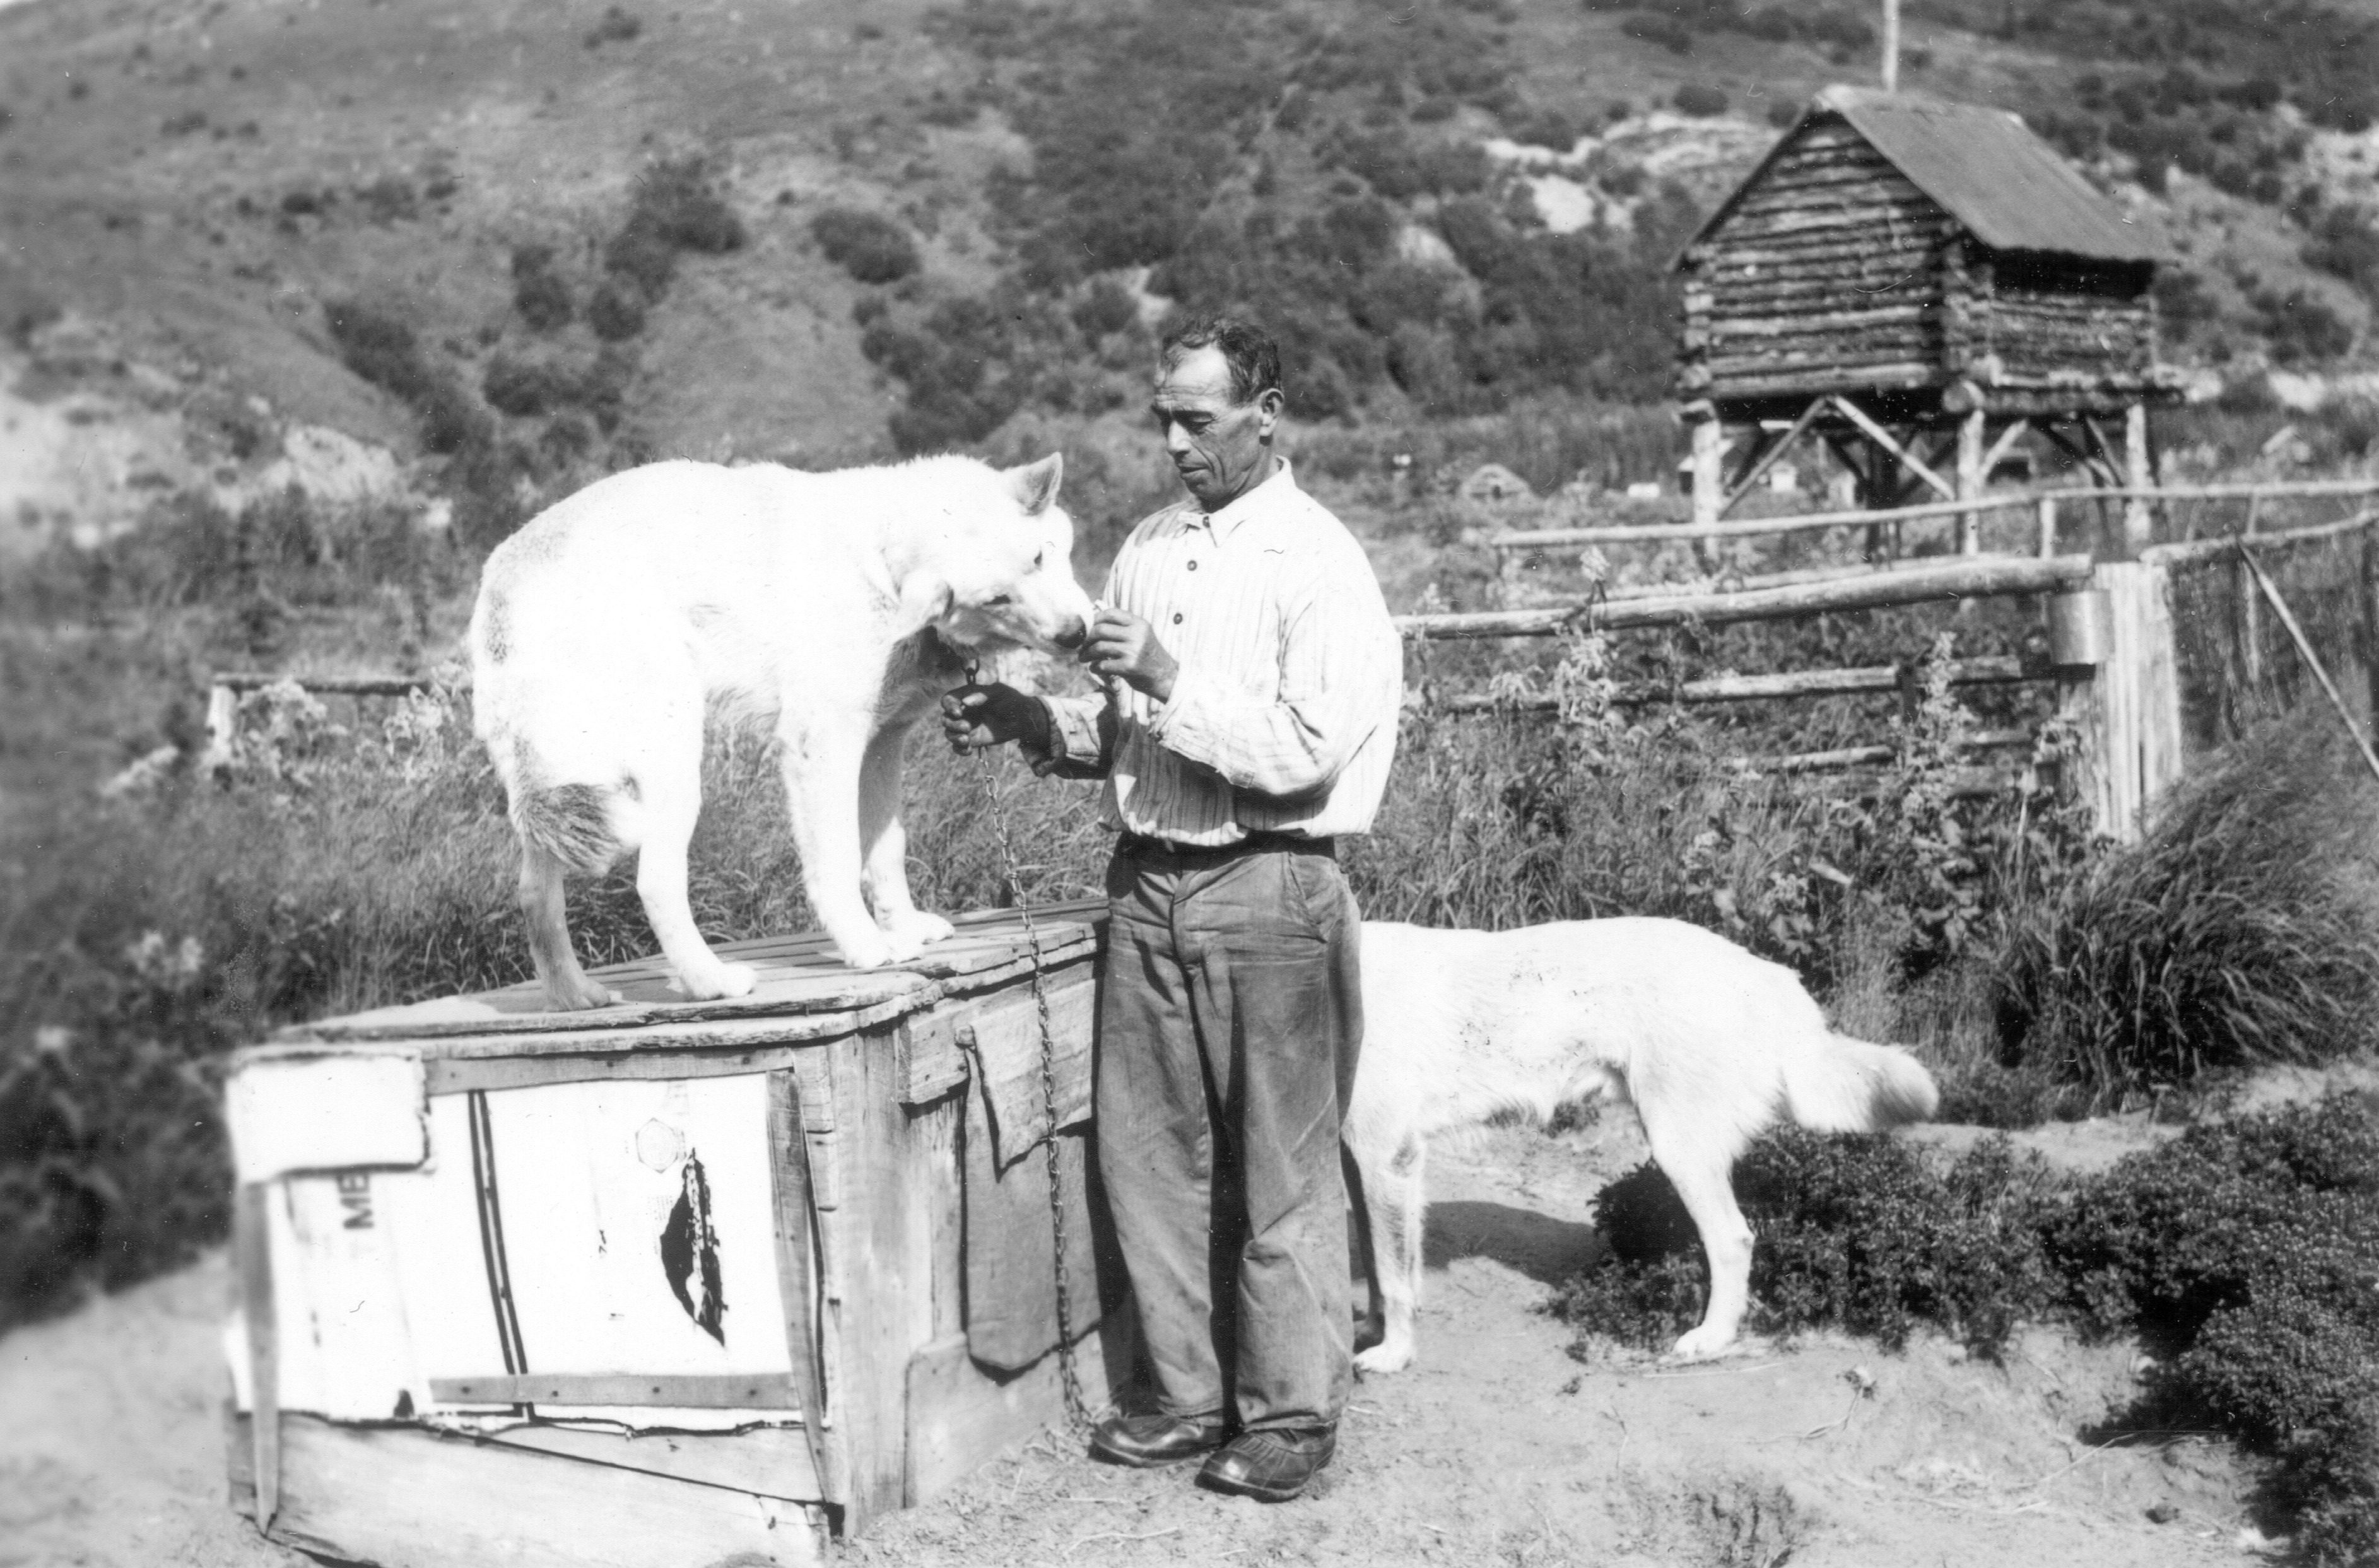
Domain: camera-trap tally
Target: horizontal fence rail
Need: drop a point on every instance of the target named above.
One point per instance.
(337, 685)
(1994, 670)
(1634, 532)
(1961, 578)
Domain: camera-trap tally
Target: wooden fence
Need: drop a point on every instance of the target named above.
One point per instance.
(2112, 658)
(2111, 654)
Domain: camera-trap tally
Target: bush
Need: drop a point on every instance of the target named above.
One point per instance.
(615, 312)
(538, 292)
(2241, 1254)
(2240, 932)
(676, 201)
(616, 26)
(1701, 101)
(378, 346)
(528, 387)
(871, 248)
(1865, 1234)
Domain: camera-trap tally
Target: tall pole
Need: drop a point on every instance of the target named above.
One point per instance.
(1892, 45)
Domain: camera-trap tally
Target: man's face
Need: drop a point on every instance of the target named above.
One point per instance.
(1217, 445)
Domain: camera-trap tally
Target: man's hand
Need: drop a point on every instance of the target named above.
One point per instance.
(1124, 647)
(976, 717)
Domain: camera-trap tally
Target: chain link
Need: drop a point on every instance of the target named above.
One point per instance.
(1078, 1410)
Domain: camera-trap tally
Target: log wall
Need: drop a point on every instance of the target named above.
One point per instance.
(1826, 277)
(1835, 272)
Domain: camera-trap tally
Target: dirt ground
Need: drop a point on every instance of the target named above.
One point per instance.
(1497, 1447)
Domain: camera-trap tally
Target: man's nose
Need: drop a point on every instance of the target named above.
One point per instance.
(1177, 438)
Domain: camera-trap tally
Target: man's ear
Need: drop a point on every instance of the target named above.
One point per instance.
(925, 597)
(1035, 485)
(1269, 403)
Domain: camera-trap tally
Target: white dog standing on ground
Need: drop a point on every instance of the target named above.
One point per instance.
(839, 606)
(1712, 1045)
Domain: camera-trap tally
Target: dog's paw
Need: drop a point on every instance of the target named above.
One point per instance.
(1703, 1344)
(869, 949)
(1388, 1356)
(717, 981)
(582, 997)
(917, 929)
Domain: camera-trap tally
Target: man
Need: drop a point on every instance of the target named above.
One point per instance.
(1253, 680)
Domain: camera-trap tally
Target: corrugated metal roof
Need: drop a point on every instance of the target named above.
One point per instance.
(2008, 186)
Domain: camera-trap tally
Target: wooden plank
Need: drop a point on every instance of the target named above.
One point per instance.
(795, 1233)
(886, 1270)
(337, 685)
(2188, 552)
(789, 987)
(931, 1063)
(1856, 681)
(1890, 443)
(452, 1075)
(252, 1243)
(1005, 1037)
(2139, 700)
(1814, 323)
(958, 1416)
(765, 1461)
(401, 1497)
(693, 1390)
(1953, 580)
(1559, 539)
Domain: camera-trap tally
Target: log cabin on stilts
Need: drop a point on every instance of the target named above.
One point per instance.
(1921, 286)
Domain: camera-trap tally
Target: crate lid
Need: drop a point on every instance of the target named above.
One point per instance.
(803, 989)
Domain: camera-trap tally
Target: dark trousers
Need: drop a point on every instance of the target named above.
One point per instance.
(1228, 1029)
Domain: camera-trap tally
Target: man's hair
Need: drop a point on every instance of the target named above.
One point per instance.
(1247, 348)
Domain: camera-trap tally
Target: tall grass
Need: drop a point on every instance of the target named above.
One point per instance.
(2244, 931)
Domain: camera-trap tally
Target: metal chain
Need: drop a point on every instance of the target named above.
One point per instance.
(1078, 1410)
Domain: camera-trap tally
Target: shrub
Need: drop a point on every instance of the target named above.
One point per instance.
(2240, 932)
(378, 346)
(389, 200)
(616, 26)
(1107, 307)
(2241, 1253)
(641, 258)
(1700, 100)
(528, 387)
(870, 247)
(1865, 1234)
(538, 292)
(676, 199)
(615, 312)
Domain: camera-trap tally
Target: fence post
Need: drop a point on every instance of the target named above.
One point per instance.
(2048, 513)
(2138, 522)
(2136, 700)
(1971, 479)
(223, 727)
(2371, 622)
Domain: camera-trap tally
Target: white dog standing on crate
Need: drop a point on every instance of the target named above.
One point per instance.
(836, 607)
(1712, 1045)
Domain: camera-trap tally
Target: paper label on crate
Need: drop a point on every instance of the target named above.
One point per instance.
(356, 1110)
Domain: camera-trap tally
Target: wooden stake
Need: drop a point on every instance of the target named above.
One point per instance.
(1892, 45)
(2138, 522)
(1970, 481)
(2313, 661)
(252, 1248)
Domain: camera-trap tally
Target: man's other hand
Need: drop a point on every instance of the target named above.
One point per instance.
(977, 717)
(1124, 647)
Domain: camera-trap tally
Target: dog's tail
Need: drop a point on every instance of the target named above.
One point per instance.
(1846, 1085)
(570, 822)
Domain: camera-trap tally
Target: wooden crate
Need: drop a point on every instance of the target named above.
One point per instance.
(574, 1288)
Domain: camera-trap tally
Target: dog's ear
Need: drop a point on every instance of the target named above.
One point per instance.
(925, 597)
(1035, 485)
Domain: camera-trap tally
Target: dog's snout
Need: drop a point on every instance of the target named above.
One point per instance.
(1074, 634)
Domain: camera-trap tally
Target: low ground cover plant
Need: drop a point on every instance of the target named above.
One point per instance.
(2243, 1256)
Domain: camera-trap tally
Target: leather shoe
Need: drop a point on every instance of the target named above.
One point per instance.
(1271, 1467)
(1155, 1438)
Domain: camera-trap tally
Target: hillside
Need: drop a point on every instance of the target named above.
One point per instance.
(521, 243)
